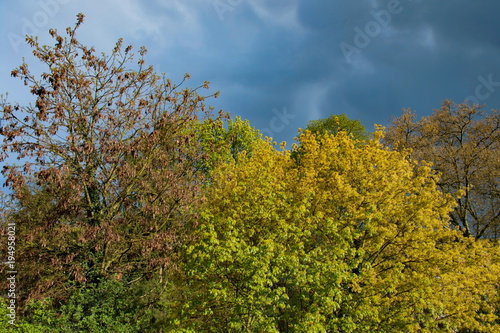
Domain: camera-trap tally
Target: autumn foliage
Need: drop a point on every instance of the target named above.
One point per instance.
(140, 211)
(463, 143)
(355, 238)
(108, 183)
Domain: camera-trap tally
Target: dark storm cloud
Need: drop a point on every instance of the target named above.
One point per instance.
(429, 51)
(271, 56)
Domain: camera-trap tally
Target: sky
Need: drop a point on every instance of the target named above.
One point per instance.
(282, 63)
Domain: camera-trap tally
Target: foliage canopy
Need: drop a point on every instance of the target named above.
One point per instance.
(137, 210)
(352, 239)
(463, 143)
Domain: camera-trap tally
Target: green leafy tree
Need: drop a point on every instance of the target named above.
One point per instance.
(111, 306)
(337, 123)
(224, 139)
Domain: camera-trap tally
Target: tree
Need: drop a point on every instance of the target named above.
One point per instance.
(224, 139)
(355, 238)
(107, 307)
(107, 184)
(463, 143)
(336, 123)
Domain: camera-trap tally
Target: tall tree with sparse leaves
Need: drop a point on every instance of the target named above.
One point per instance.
(107, 184)
(463, 143)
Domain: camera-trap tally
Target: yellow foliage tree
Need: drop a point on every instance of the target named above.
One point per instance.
(353, 238)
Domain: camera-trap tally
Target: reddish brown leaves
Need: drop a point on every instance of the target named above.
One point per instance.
(110, 184)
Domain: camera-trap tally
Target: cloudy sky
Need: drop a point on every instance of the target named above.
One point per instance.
(281, 63)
